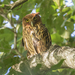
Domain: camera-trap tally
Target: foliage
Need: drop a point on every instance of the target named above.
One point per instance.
(55, 21)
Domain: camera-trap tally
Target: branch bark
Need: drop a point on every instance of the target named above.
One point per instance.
(13, 5)
(17, 3)
(53, 56)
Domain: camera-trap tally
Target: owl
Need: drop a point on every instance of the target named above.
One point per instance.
(36, 38)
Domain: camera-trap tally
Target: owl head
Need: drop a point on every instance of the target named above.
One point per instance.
(31, 20)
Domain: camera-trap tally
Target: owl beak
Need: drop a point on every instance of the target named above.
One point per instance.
(31, 23)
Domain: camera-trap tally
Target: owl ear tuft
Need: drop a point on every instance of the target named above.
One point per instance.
(38, 13)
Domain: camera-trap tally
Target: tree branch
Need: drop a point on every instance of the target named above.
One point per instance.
(57, 53)
(53, 56)
(17, 3)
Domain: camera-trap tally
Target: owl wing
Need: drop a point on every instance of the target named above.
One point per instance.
(22, 42)
(42, 39)
(45, 36)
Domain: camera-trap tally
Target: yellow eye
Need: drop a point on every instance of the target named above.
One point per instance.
(35, 18)
(27, 20)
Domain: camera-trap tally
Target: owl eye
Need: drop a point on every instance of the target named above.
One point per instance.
(27, 20)
(35, 18)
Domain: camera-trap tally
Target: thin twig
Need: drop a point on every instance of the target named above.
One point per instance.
(15, 38)
(6, 28)
(15, 43)
(9, 20)
(3, 15)
(14, 5)
(17, 3)
(10, 30)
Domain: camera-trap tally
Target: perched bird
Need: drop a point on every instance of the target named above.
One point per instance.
(36, 38)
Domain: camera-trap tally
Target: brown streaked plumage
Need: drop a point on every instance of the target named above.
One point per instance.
(36, 37)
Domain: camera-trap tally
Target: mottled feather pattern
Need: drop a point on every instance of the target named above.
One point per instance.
(36, 38)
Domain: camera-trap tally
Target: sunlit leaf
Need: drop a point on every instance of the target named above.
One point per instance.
(57, 38)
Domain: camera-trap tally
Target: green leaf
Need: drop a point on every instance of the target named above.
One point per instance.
(25, 53)
(56, 38)
(73, 72)
(25, 69)
(72, 18)
(6, 34)
(6, 61)
(38, 1)
(36, 70)
(66, 9)
(4, 46)
(47, 8)
(65, 34)
(61, 2)
(70, 26)
(2, 5)
(1, 20)
(37, 10)
(58, 24)
(73, 7)
(38, 66)
(19, 31)
(57, 66)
